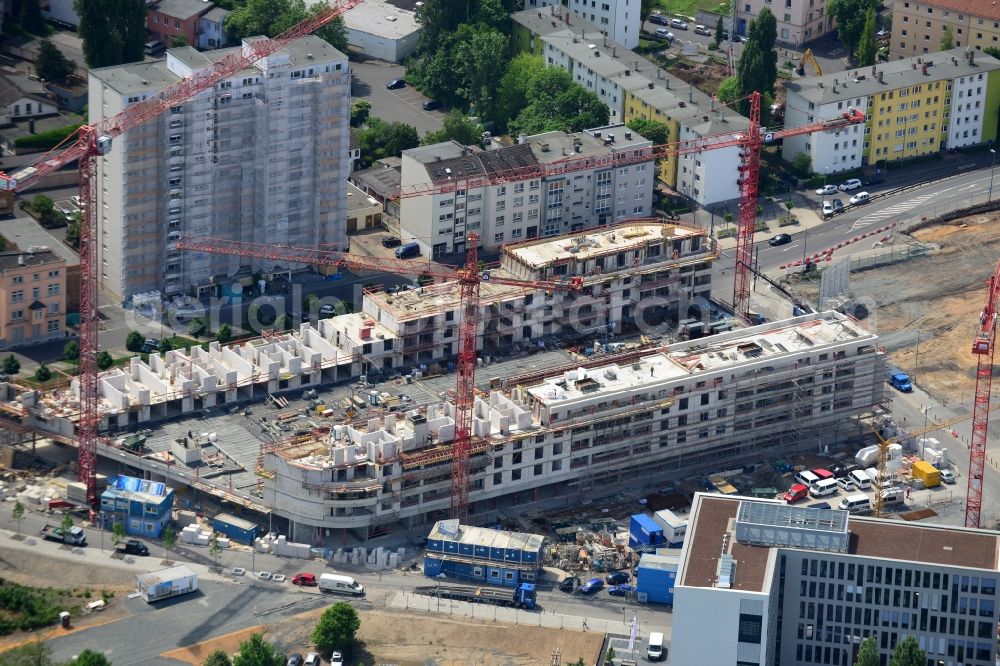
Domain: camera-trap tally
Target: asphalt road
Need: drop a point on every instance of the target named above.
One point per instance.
(404, 105)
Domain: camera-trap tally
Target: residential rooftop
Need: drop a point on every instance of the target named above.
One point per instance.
(979, 8)
(358, 200)
(181, 9)
(866, 81)
(381, 179)
(26, 258)
(383, 19)
(716, 520)
(717, 353)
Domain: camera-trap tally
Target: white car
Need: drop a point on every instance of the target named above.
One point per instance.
(679, 24)
(702, 30)
(313, 659)
(851, 184)
(860, 198)
(827, 189)
(666, 34)
(827, 209)
(947, 476)
(336, 659)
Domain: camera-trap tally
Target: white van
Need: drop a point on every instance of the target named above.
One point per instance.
(335, 584)
(872, 473)
(891, 495)
(806, 478)
(823, 488)
(856, 504)
(861, 479)
(655, 650)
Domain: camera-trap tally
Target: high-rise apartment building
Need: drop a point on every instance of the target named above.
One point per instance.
(788, 585)
(262, 157)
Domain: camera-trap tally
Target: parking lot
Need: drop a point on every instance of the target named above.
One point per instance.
(910, 498)
(404, 105)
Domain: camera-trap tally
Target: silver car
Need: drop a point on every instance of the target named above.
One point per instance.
(679, 24)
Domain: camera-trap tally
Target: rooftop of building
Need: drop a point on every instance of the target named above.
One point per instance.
(382, 179)
(715, 525)
(445, 150)
(583, 245)
(452, 531)
(705, 355)
(27, 232)
(27, 258)
(141, 490)
(556, 146)
(182, 9)
(863, 82)
(14, 86)
(216, 14)
(143, 77)
(583, 42)
(358, 200)
(382, 19)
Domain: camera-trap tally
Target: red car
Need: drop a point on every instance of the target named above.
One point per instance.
(796, 493)
(304, 580)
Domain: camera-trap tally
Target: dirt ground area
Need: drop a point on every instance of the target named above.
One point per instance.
(410, 639)
(230, 643)
(939, 296)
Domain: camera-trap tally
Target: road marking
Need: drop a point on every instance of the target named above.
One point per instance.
(895, 209)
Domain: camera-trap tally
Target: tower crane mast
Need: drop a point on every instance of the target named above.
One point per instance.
(469, 278)
(984, 347)
(85, 146)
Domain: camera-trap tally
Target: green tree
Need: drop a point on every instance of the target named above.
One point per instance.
(134, 341)
(455, 127)
(439, 19)
(217, 658)
(113, 31)
(802, 165)
(117, 533)
(43, 374)
(178, 41)
(336, 628)
(45, 210)
(850, 16)
(258, 652)
(609, 656)
(868, 653)
(73, 232)
(483, 56)
(71, 350)
(272, 17)
(361, 109)
(757, 69)
(33, 653)
(91, 658)
(653, 130)
(11, 365)
(105, 360)
(559, 103)
(197, 326)
(31, 18)
(729, 91)
(382, 139)
(908, 653)
(578, 662)
(947, 38)
(719, 30)
(67, 522)
(224, 334)
(17, 513)
(214, 549)
(169, 537)
(51, 64)
(283, 322)
(166, 345)
(512, 92)
(867, 44)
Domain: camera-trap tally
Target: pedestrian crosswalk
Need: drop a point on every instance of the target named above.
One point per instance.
(896, 209)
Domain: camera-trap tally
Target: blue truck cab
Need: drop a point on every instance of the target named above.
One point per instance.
(900, 381)
(524, 596)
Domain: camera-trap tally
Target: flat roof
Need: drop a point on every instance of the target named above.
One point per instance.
(358, 200)
(866, 81)
(660, 562)
(181, 9)
(385, 180)
(713, 517)
(717, 352)
(583, 245)
(27, 258)
(382, 20)
(482, 536)
(154, 578)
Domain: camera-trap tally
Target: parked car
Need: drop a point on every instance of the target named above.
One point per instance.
(313, 659)
(850, 185)
(820, 505)
(431, 104)
(592, 586)
(874, 180)
(336, 659)
(134, 547)
(948, 476)
(620, 590)
(618, 577)
(391, 241)
(665, 34)
(396, 84)
(679, 24)
(838, 205)
(883, 34)
(294, 659)
(304, 579)
(702, 30)
(827, 189)
(860, 198)
(149, 346)
(658, 19)
(569, 584)
(796, 493)
(780, 239)
(827, 209)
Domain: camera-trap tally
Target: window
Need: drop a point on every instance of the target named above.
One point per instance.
(498, 238)
(17, 296)
(52, 326)
(53, 289)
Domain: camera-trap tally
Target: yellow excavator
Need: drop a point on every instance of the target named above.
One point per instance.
(808, 57)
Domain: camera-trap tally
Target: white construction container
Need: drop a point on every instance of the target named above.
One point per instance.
(674, 527)
(866, 457)
(166, 583)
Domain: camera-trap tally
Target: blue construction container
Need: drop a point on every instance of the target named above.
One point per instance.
(644, 531)
(480, 555)
(237, 529)
(143, 507)
(656, 576)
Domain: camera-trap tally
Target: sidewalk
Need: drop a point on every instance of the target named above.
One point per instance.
(807, 218)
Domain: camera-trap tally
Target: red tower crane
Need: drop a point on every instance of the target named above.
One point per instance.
(92, 141)
(983, 347)
(469, 278)
(750, 142)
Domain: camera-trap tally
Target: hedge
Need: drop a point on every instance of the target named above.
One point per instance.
(46, 140)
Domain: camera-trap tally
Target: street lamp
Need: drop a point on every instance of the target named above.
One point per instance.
(992, 165)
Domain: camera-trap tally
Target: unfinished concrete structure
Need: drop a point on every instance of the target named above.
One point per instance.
(715, 399)
(639, 272)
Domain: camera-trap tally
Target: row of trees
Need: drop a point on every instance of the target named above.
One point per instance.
(906, 653)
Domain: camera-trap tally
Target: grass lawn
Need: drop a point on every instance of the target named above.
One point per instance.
(690, 7)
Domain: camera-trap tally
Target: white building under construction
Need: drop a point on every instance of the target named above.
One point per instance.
(723, 398)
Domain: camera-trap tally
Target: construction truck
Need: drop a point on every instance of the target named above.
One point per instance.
(74, 536)
(522, 596)
(808, 57)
